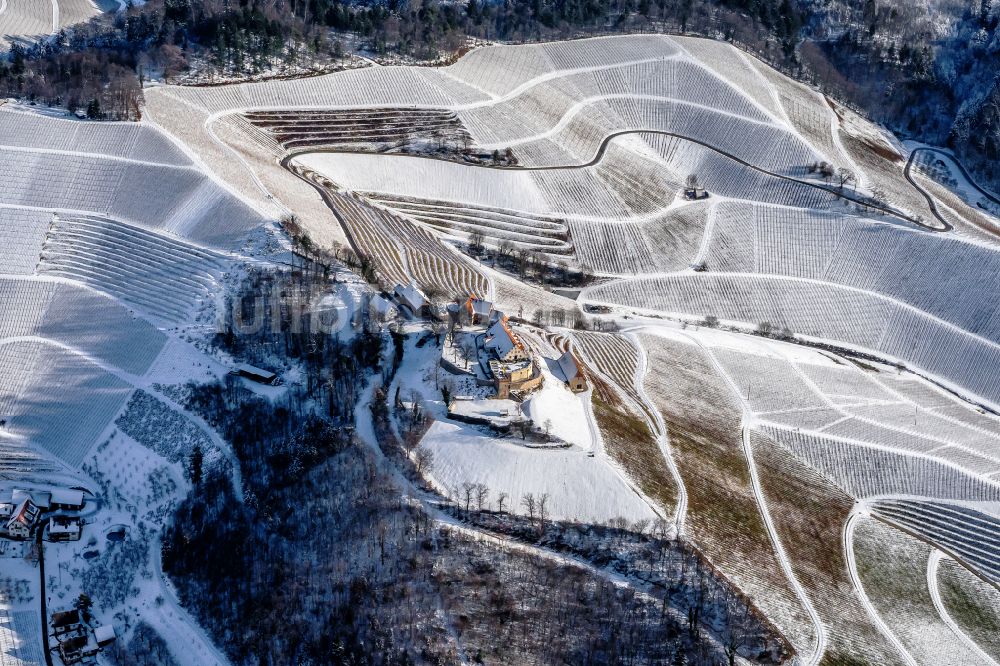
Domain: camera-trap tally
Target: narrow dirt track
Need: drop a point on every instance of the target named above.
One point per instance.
(602, 149)
(926, 195)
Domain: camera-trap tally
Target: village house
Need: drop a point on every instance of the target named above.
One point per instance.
(66, 622)
(65, 528)
(77, 641)
(503, 342)
(72, 649)
(513, 370)
(411, 297)
(22, 520)
(572, 372)
(519, 377)
(478, 310)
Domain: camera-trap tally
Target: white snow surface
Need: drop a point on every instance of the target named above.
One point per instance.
(408, 176)
(564, 410)
(580, 487)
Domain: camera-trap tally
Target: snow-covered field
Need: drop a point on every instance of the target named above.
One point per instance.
(580, 488)
(116, 244)
(27, 20)
(117, 236)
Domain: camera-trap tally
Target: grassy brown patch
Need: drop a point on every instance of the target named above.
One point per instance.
(973, 604)
(723, 519)
(809, 513)
(630, 442)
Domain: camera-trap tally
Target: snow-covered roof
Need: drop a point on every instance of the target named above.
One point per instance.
(381, 305)
(244, 368)
(485, 409)
(479, 307)
(104, 633)
(569, 366)
(70, 527)
(25, 513)
(410, 295)
(67, 496)
(500, 338)
(65, 618)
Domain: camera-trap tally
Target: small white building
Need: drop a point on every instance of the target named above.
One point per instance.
(105, 635)
(411, 297)
(478, 310)
(572, 372)
(67, 498)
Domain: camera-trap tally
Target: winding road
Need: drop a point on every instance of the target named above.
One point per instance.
(930, 200)
(286, 162)
(926, 195)
(965, 173)
(39, 530)
(933, 562)
(852, 568)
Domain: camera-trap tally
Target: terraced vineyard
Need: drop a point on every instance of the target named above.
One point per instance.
(606, 135)
(377, 128)
(25, 21)
(838, 466)
(162, 276)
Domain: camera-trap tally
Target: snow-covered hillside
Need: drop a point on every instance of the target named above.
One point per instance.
(795, 344)
(27, 20)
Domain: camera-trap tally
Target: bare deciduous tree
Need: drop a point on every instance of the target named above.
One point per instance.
(482, 496)
(844, 176)
(529, 504)
(501, 499)
(543, 511)
(424, 459)
(468, 491)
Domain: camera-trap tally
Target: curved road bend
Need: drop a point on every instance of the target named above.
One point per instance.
(602, 149)
(961, 167)
(930, 200)
(968, 178)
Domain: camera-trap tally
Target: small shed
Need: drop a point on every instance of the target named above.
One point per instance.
(105, 634)
(67, 498)
(258, 375)
(572, 372)
(411, 297)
